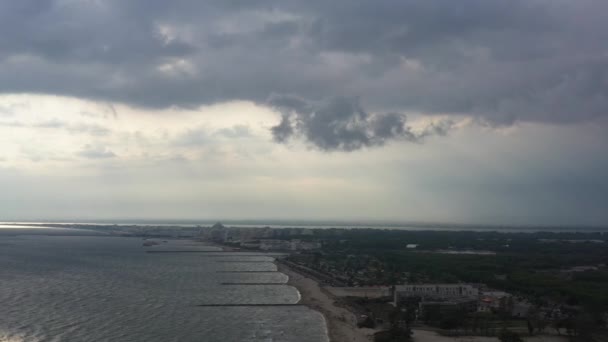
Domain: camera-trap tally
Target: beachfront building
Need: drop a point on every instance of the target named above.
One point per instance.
(216, 233)
(435, 291)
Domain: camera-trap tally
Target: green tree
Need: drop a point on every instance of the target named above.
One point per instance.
(401, 318)
(509, 336)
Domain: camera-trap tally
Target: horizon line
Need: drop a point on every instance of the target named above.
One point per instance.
(298, 222)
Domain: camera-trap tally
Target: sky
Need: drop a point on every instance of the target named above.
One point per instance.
(471, 111)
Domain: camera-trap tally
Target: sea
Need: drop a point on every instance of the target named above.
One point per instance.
(85, 288)
(384, 225)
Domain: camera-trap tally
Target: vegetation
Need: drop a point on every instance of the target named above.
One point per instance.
(536, 265)
(565, 271)
(509, 336)
(400, 320)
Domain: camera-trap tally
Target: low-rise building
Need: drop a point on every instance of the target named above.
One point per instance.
(436, 291)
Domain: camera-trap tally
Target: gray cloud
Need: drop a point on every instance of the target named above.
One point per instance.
(237, 131)
(499, 61)
(96, 152)
(109, 112)
(77, 128)
(192, 137)
(9, 110)
(341, 123)
(284, 130)
(202, 136)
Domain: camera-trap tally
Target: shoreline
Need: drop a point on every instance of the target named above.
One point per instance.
(341, 323)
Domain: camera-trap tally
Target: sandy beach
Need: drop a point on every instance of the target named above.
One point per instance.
(341, 323)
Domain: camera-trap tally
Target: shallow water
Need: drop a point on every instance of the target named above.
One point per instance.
(86, 288)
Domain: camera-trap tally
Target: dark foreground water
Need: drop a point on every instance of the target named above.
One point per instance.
(87, 288)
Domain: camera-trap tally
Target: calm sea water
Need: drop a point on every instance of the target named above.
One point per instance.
(90, 288)
(327, 225)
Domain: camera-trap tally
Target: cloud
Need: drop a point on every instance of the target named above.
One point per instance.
(76, 128)
(96, 152)
(204, 136)
(501, 62)
(53, 123)
(12, 124)
(8, 110)
(284, 130)
(236, 131)
(91, 129)
(192, 137)
(99, 115)
(341, 123)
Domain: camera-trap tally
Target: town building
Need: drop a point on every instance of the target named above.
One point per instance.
(219, 233)
(435, 291)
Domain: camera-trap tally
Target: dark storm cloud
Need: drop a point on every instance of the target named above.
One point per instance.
(341, 123)
(500, 61)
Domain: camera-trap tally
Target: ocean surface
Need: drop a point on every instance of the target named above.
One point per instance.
(322, 225)
(96, 288)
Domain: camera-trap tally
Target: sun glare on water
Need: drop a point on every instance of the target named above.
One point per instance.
(5, 338)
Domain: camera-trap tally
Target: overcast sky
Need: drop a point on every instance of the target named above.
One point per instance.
(469, 111)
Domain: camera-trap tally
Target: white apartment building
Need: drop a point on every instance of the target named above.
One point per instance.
(436, 291)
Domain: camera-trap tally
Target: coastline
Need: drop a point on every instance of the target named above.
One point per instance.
(341, 323)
